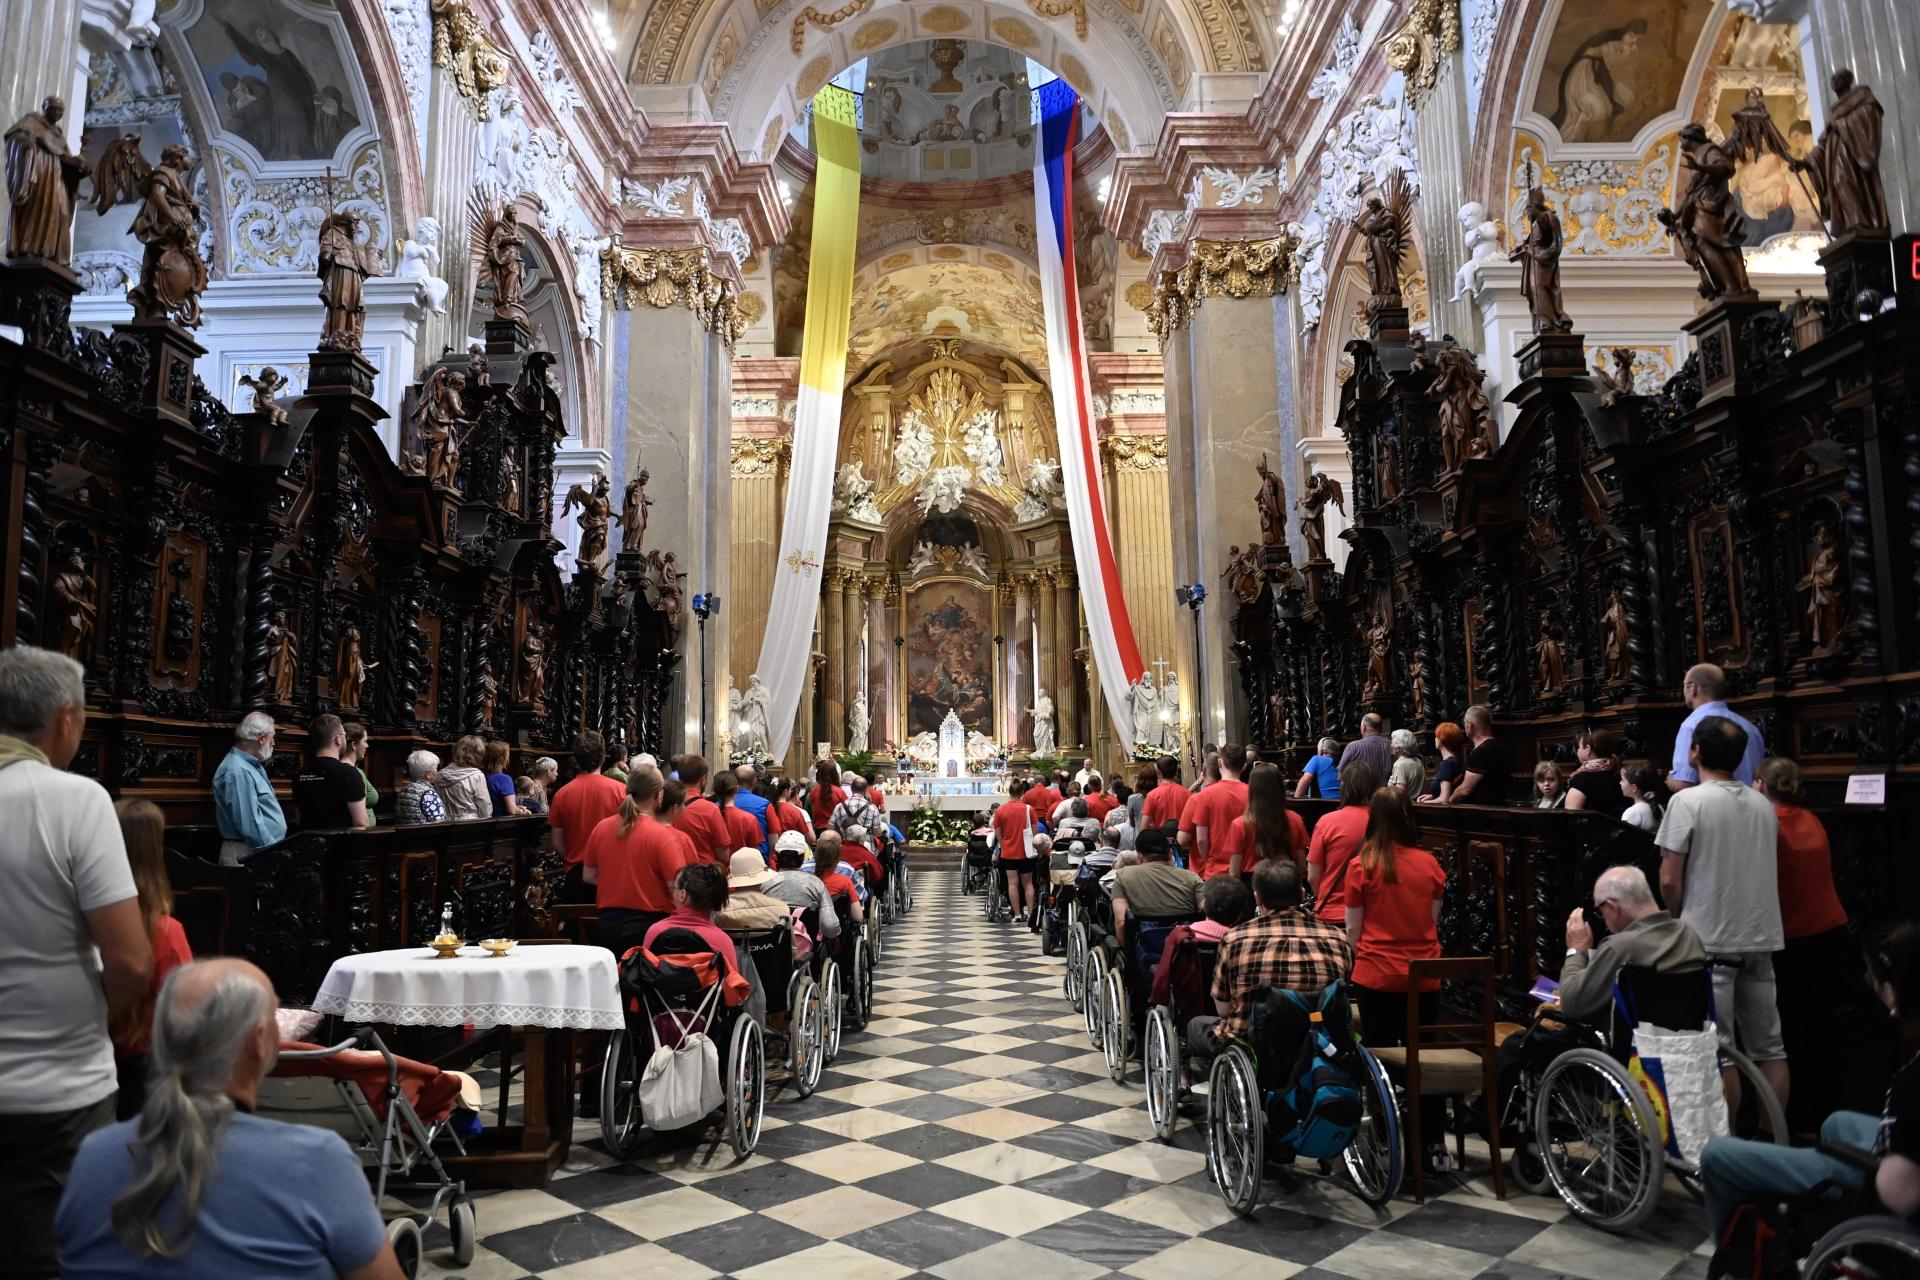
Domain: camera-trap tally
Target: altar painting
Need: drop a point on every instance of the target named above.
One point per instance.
(949, 656)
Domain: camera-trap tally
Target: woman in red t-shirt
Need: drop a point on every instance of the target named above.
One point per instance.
(1337, 837)
(1393, 891)
(743, 829)
(143, 828)
(1013, 821)
(783, 815)
(1268, 829)
(1818, 942)
(825, 794)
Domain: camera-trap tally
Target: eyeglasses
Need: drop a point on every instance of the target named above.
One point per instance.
(1603, 903)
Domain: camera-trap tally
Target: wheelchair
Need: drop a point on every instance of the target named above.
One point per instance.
(1589, 1131)
(1163, 1046)
(1835, 1230)
(899, 882)
(1123, 999)
(678, 986)
(845, 976)
(1877, 1247)
(789, 988)
(977, 868)
(1088, 914)
(1301, 1080)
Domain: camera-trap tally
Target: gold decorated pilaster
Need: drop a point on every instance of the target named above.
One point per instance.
(1432, 28)
(462, 48)
(662, 278)
(1139, 452)
(1222, 268)
(758, 456)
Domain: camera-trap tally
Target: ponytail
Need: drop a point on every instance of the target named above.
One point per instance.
(643, 783)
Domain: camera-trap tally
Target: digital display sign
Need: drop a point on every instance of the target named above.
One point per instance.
(1906, 271)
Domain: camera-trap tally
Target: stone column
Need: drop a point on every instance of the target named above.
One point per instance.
(1066, 698)
(453, 132)
(879, 663)
(1876, 39)
(1020, 660)
(853, 614)
(1046, 660)
(836, 674)
(1427, 51)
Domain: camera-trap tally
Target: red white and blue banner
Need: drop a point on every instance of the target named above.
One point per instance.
(1116, 657)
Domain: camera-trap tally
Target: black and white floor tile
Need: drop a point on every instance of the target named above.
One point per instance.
(971, 1133)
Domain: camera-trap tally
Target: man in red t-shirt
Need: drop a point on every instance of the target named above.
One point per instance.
(582, 804)
(1167, 801)
(1204, 821)
(631, 860)
(1337, 838)
(702, 822)
(1099, 802)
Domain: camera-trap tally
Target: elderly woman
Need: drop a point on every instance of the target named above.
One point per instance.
(418, 801)
(1321, 773)
(463, 787)
(1409, 771)
(546, 772)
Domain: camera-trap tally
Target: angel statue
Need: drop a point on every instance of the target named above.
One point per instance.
(853, 493)
(1170, 714)
(753, 720)
(1387, 223)
(1618, 381)
(1463, 407)
(633, 512)
(344, 266)
(1042, 709)
(420, 260)
(596, 512)
(859, 724)
(172, 273)
(493, 231)
(266, 387)
(1482, 235)
(42, 179)
(1144, 701)
(1321, 490)
(440, 426)
(1242, 575)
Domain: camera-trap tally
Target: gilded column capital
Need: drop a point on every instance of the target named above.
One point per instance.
(876, 586)
(756, 456)
(662, 278)
(1431, 30)
(1225, 269)
(1141, 452)
(1003, 590)
(462, 47)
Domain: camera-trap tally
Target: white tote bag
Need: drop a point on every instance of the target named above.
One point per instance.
(681, 1085)
(1680, 1073)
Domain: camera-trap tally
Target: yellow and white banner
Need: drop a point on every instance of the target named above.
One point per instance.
(785, 651)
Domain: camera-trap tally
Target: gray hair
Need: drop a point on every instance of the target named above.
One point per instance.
(35, 686)
(1403, 741)
(201, 1024)
(1626, 886)
(547, 764)
(1328, 746)
(422, 763)
(253, 726)
(1042, 842)
(856, 833)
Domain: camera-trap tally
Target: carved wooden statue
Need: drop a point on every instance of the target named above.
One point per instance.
(74, 588)
(440, 425)
(1539, 259)
(1379, 659)
(350, 675)
(266, 387)
(510, 479)
(1845, 164)
(489, 694)
(633, 512)
(344, 266)
(173, 275)
(283, 658)
(1463, 407)
(666, 583)
(1550, 657)
(596, 512)
(498, 242)
(1243, 574)
(479, 372)
(1321, 490)
(1708, 225)
(1387, 224)
(1822, 585)
(1272, 501)
(1417, 684)
(1619, 381)
(533, 668)
(42, 179)
(1614, 638)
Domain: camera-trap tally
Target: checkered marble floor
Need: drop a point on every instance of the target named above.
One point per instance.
(970, 1133)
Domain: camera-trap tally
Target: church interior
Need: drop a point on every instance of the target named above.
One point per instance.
(1103, 395)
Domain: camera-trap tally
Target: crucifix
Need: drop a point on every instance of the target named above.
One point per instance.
(1160, 666)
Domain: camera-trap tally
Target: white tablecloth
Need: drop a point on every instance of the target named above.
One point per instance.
(538, 986)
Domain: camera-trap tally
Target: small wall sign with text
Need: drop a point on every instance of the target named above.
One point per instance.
(1866, 788)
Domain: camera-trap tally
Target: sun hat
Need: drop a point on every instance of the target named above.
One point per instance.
(747, 869)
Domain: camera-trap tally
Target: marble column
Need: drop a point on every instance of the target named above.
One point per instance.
(1046, 660)
(1066, 698)
(680, 431)
(758, 472)
(879, 663)
(1440, 128)
(854, 616)
(452, 157)
(1020, 660)
(1876, 39)
(835, 674)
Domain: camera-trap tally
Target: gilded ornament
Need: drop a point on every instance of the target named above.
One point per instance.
(1432, 28)
(1142, 453)
(661, 278)
(1060, 9)
(945, 20)
(461, 45)
(874, 34)
(1221, 268)
(1015, 32)
(812, 17)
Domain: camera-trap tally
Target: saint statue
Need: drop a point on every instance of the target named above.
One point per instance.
(753, 720)
(633, 512)
(73, 587)
(344, 266)
(859, 724)
(1144, 700)
(440, 425)
(1707, 224)
(1272, 502)
(1550, 657)
(1379, 659)
(1614, 639)
(1243, 574)
(510, 479)
(1822, 585)
(1321, 490)
(1042, 709)
(283, 658)
(1619, 381)
(1463, 406)
(350, 677)
(1387, 224)
(497, 241)
(479, 370)
(533, 667)
(1845, 163)
(42, 178)
(596, 513)
(1539, 259)
(1169, 731)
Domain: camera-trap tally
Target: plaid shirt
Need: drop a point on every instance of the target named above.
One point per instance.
(1288, 949)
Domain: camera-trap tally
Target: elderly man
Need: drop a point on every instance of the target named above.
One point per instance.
(1154, 888)
(798, 888)
(244, 806)
(858, 810)
(1639, 933)
(69, 894)
(1704, 688)
(272, 1199)
(1373, 746)
(749, 801)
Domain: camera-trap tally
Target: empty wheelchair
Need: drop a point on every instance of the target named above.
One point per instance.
(1594, 1131)
(1190, 962)
(1300, 1085)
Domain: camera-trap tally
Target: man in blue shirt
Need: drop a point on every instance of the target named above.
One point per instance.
(747, 800)
(1703, 688)
(244, 805)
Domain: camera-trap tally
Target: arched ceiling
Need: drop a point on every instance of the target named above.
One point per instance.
(974, 292)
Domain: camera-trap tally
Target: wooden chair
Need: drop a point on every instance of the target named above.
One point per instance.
(1449, 1058)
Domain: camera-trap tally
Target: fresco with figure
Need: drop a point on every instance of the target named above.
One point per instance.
(275, 77)
(1613, 66)
(949, 656)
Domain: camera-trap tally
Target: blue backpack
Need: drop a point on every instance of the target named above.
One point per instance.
(1317, 1111)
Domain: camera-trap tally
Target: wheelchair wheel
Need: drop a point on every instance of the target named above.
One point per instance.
(1375, 1158)
(1876, 1248)
(1528, 1170)
(1160, 1065)
(876, 927)
(1236, 1130)
(831, 1011)
(859, 985)
(1093, 982)
(404, 1235)
(806, 1039)
(746, 1086)
(620, 1119)
(1599, 1139)
(1116, 1025)
(1073, 979)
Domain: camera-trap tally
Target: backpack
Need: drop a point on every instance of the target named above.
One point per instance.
(1317, 1112)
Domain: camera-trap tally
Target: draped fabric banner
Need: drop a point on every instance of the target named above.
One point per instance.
(1116, 657)
(788, 644)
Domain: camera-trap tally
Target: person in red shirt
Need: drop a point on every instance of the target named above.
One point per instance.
(143, 829)
(587, 799)
(1167, 802)
(631, 860)
(1393, 894)
(1336, 838)
(702, 822)
(1042, 798)
(1099, 802)
(699, 890)
(1012, 821)
(854, 852)
(1814, 924)
(743, 829)
(783, 815)
(826, 865)
(825, 795)
(1204, 822)
(1268, 829)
